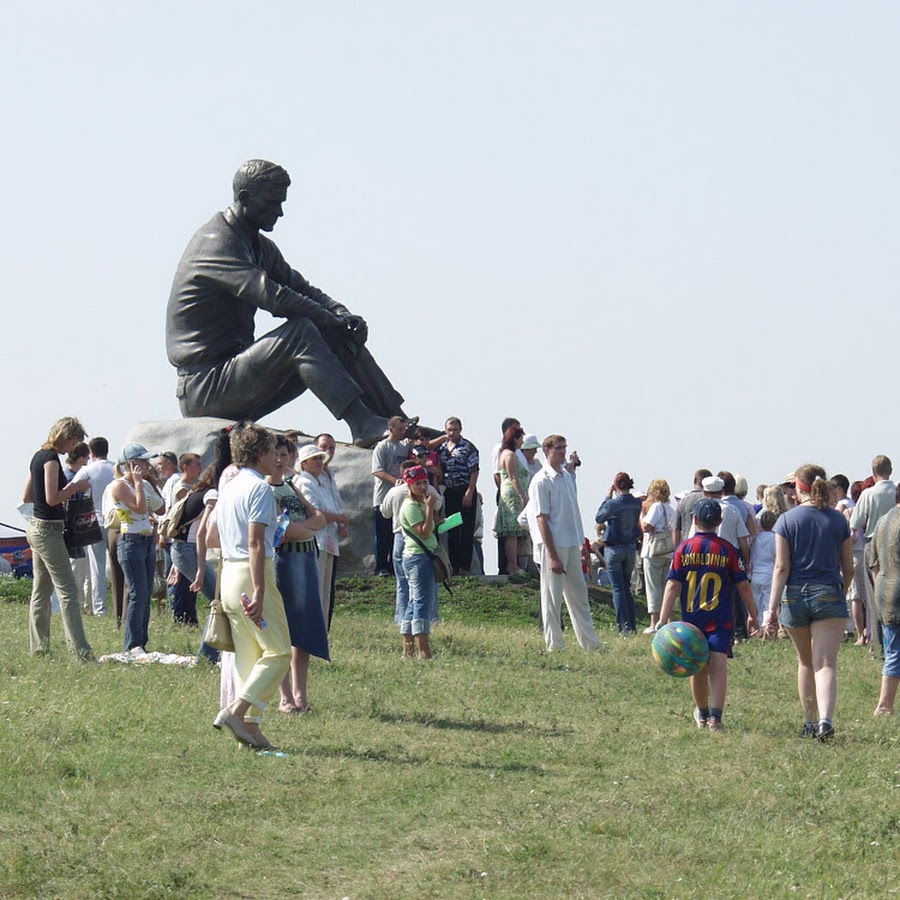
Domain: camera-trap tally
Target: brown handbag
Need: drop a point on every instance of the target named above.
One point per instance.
(218, 628)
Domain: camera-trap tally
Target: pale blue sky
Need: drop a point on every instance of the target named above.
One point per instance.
(667, 230)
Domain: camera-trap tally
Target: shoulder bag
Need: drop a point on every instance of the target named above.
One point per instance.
(662, 543)
(438, 557)
(82, 528)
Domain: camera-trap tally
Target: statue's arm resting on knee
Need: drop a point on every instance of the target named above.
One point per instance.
(284, 292)
(356, 327)
(272, 288)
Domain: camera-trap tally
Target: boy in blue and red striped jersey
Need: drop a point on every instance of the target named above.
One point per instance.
(705, 572)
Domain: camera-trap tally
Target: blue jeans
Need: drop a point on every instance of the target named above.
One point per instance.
(419, 571)
(184, 558)
(137, 556)
(891, 651)
(402, 583)
(620, 565)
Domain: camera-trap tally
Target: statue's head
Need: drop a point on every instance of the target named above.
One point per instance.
(260, 188)
(256, 172)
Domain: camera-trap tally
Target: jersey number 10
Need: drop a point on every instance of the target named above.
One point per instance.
(704, 595)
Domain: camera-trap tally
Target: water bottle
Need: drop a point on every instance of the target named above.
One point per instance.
(281, 524)
(246, 601)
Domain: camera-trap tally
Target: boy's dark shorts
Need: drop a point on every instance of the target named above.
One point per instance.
(719, 634)
(720, 641)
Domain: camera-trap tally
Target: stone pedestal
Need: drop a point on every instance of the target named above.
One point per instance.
(352, 468)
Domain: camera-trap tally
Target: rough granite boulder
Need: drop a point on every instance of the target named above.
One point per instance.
(352, 468)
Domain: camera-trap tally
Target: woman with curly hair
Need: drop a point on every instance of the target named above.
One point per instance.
(658, 546)
(774, 500)
(246, 518)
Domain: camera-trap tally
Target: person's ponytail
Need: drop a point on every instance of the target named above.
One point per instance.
(820, 493)
(810, 480)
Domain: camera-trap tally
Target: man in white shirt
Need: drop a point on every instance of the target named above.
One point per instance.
(553, 499)
(873, 503)
(733, 529)
(387, 457)
(744, 509)
(169, 476)
(101, 473)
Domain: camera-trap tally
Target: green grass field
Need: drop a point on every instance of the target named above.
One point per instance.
(493, 771)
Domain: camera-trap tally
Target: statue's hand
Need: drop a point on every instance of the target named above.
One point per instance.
(356, 328)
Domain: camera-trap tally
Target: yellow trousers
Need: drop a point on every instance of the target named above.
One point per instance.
(262, 656)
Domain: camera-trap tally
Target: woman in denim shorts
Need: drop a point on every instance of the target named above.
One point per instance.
(886, 546)
(813, 562)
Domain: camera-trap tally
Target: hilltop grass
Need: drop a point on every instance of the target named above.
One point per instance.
(494, 771)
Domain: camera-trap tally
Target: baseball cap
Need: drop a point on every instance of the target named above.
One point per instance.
(135, 451)
(708, 511)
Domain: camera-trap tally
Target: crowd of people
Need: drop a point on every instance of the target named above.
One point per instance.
(809, 555)
(787, 565)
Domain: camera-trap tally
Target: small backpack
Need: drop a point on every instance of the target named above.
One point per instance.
(171, 526)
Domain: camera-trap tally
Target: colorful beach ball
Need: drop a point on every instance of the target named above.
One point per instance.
(680, 649)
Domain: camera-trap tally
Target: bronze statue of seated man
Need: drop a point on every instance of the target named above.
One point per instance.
(228, 271)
